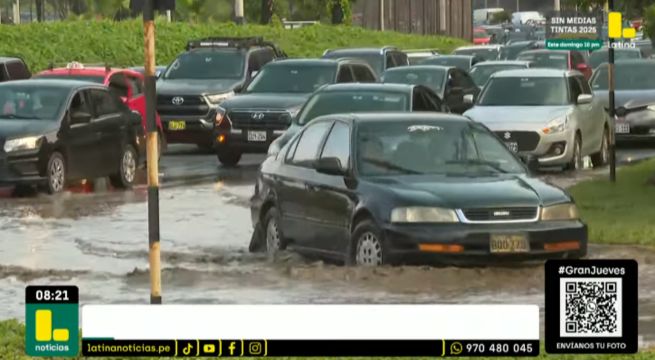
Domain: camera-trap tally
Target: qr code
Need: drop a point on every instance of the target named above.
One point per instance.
(591, 307)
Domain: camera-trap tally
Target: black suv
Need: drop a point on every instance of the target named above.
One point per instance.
(380, 59)
(249, 122)
(209, 72)
(13, 68)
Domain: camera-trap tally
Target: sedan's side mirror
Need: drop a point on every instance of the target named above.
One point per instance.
(468, 99)
(329, 166)
(79, 117)
(585, 98)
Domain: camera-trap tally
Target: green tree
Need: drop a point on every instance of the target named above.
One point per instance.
(649, 27)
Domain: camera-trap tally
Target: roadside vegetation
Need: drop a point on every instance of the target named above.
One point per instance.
(121, 43)
(12, 346)
(620, 213)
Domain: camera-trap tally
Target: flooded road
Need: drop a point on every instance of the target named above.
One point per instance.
(99, 242)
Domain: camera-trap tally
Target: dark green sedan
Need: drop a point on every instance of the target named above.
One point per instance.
(387, 188)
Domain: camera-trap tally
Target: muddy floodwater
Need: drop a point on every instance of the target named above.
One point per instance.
(99, 242)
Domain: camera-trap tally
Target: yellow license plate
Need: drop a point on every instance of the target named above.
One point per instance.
(509, 243)
(176, 125)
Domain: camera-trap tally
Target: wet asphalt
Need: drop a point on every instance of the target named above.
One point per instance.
(98, 241)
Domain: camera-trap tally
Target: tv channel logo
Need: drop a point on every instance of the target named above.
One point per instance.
(51, 321)
(615, 29)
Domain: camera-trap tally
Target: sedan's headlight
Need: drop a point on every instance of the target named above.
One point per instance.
(26, 143)
(218, 98)
(220, 116)
(555, 126)
(418, 214)
(566, 211)
(651, 107)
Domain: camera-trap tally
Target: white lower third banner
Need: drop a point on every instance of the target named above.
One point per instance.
(311, 322)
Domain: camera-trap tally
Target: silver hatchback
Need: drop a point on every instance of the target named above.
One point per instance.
(551, 114)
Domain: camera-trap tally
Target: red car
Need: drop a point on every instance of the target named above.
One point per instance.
(481, 36)
(126, 83)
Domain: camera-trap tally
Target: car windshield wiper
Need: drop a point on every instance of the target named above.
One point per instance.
(492, 164)
(391, 166)
(21, 117)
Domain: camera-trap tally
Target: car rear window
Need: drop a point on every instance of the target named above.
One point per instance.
(432, 78)
(546, 60)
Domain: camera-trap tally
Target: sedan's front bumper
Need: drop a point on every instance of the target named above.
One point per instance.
(21, 168)
(197, 129)
(547, 239)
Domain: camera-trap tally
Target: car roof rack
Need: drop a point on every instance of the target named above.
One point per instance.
(77, 65)
(234, 42)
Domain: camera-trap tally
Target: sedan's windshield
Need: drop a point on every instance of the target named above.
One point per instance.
(484, 53)
(32, 102)
(332, 102)
(628, 77)
(525, 91)
(481, 73)
(292, 78)
(600, 56)
(207, 64)
(432, 78)
(431, 147)
(546, 60)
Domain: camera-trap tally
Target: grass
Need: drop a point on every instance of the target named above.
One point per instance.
(619, 213)
(121, 43)
(12, 347)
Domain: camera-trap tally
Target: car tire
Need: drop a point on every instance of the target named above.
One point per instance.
(124, 179)
(56, 177)
(368, 246)
(601, 158)
(576, 162)
(273, 238)
(229, 158)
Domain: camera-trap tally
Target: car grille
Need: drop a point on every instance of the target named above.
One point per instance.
(501, 214)
(526, 140)
(190, 106)
(187, 100)
(254, 119)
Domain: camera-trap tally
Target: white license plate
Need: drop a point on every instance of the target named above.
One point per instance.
(256, 135)
(512, 146)
(622, 128)
(509, 243)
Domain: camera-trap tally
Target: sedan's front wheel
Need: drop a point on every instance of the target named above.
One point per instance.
(369, 245)
(126, 169)
(56, 173)
(601, 158)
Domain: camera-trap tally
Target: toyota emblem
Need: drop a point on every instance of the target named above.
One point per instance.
(257, 116)
(507, 135)
(178, 100)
